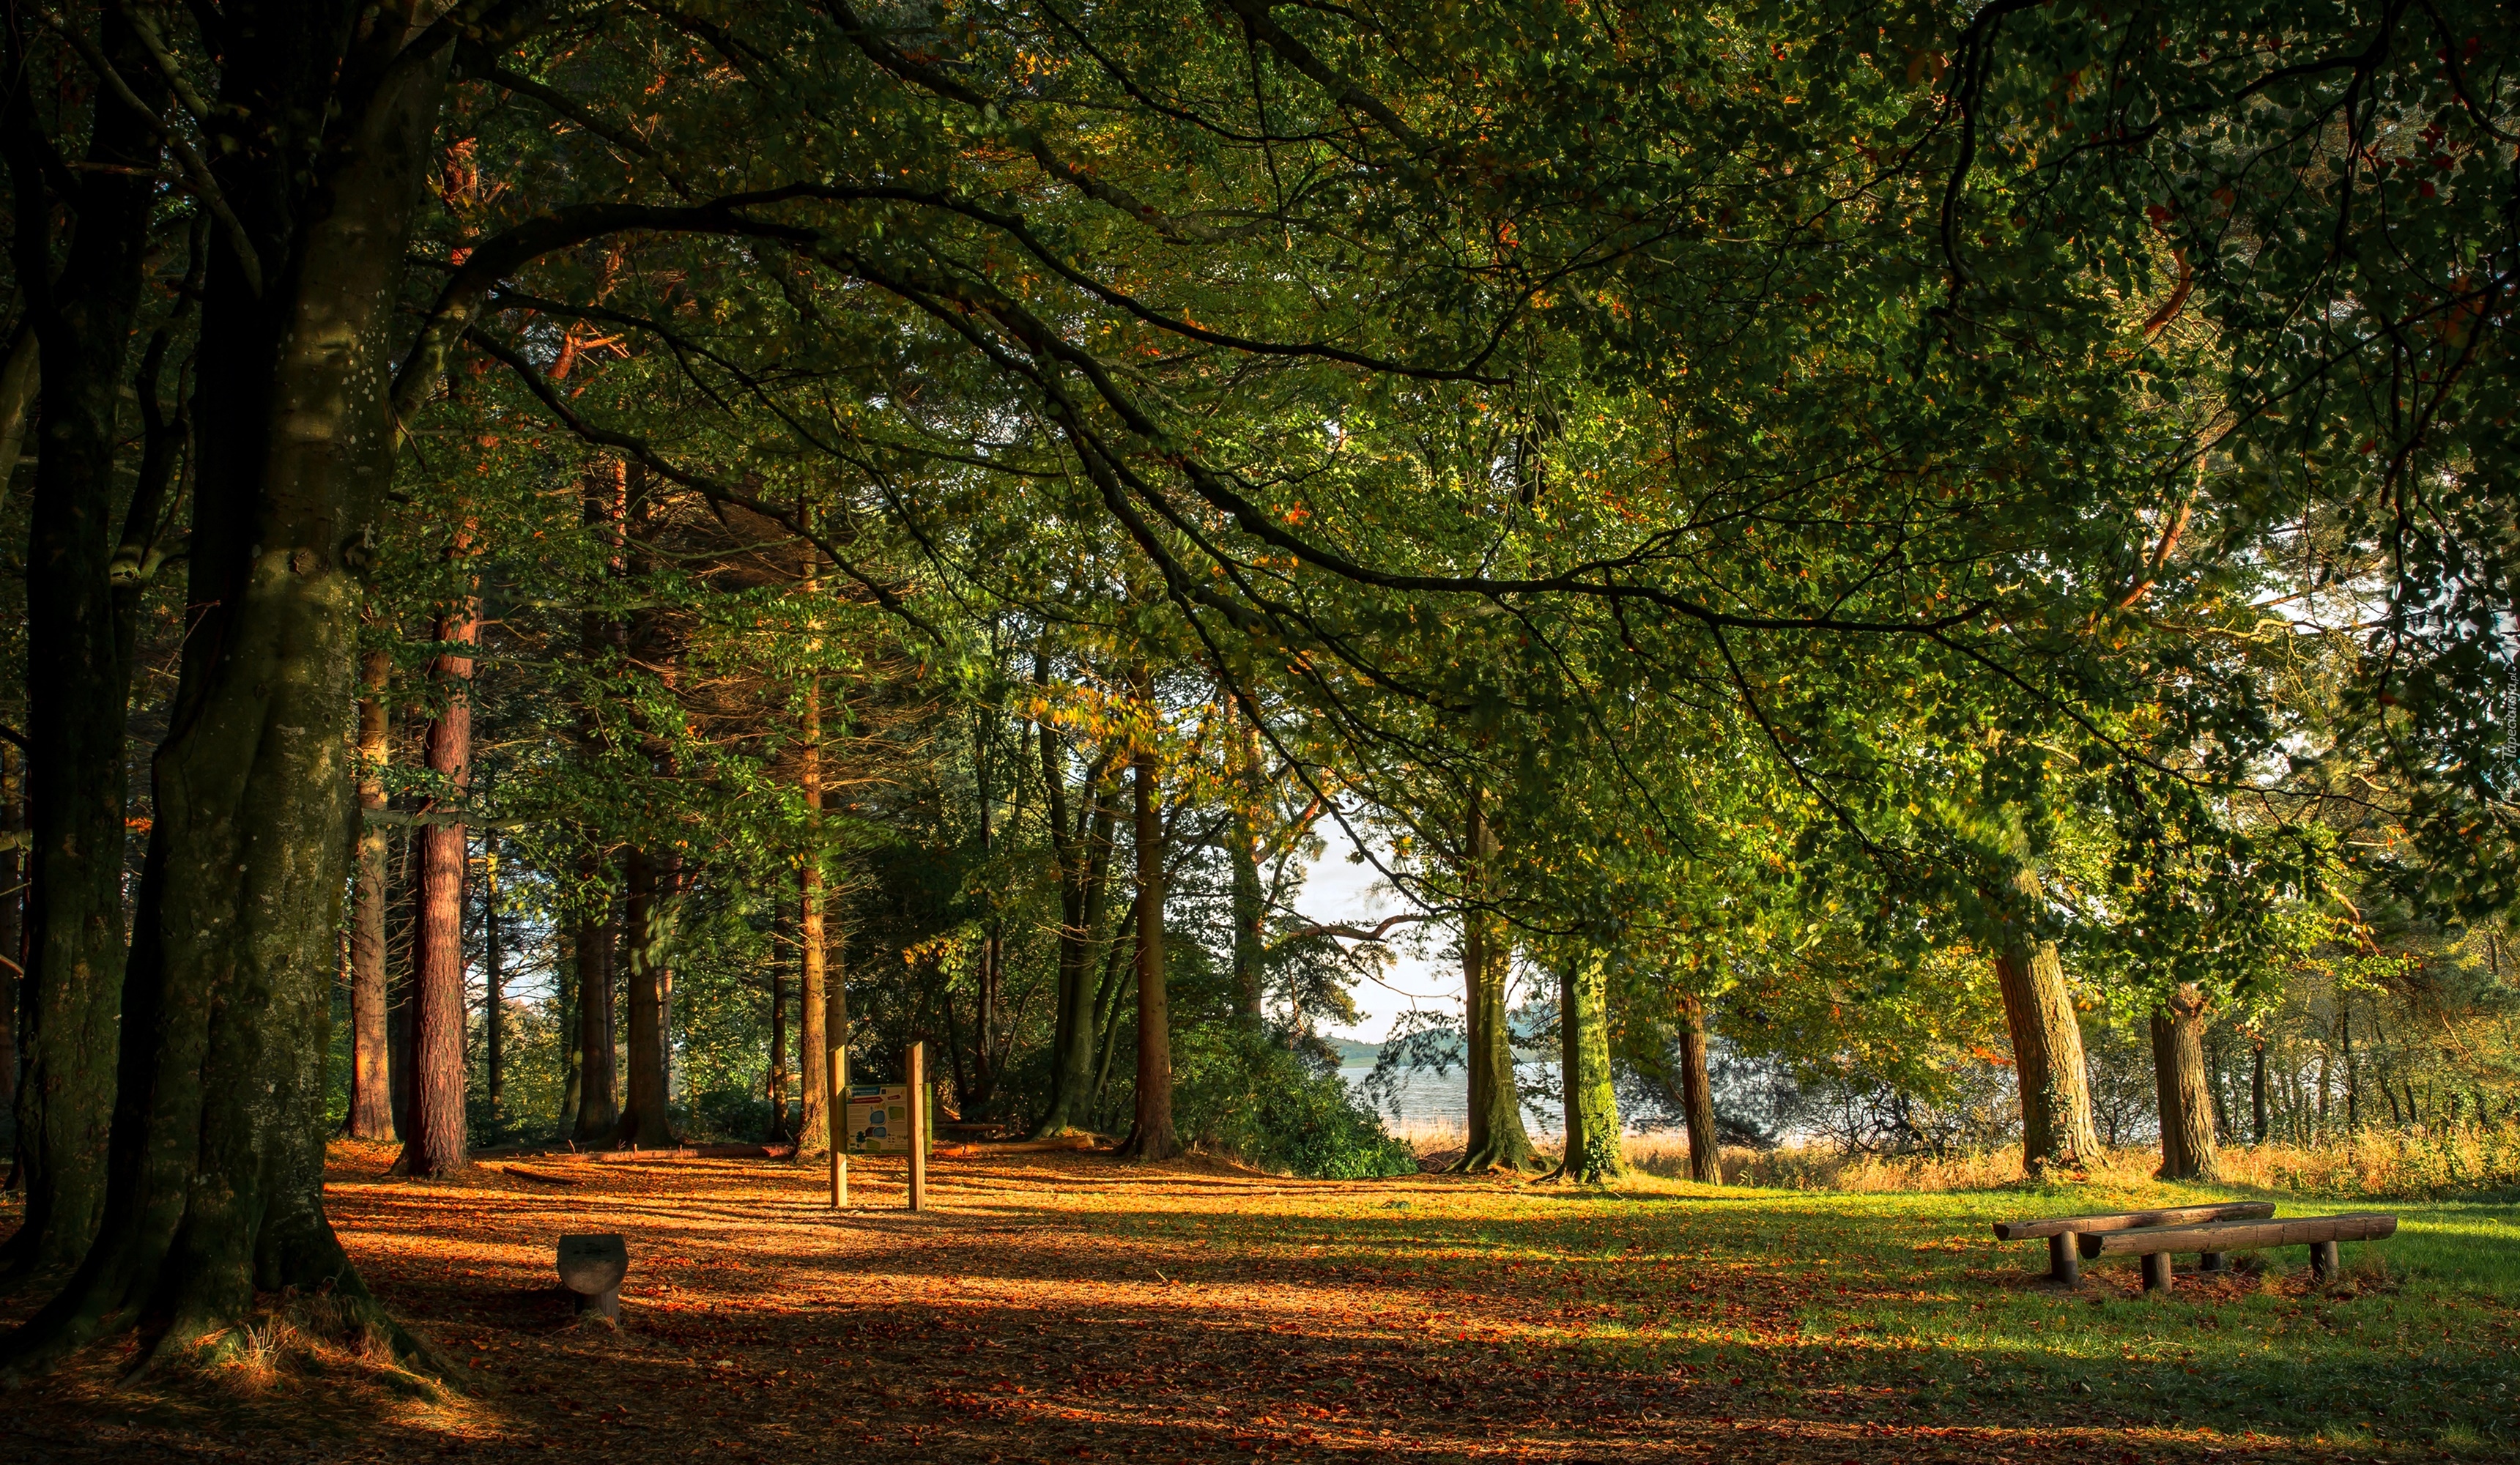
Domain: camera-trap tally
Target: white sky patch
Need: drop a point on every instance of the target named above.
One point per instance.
(1338, 891)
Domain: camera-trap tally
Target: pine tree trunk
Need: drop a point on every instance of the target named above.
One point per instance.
(82, 303)
(646, 1119)
(2187, 1150)
(2058, 1136)
(1594, 1155)
(1697, 1094)
(1151, 1136)
(1495, 1139)
(371, 1115)
(435, 1143)
(814, 1129)
(214, 1176)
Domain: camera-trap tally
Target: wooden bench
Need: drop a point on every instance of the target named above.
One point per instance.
(592, 1267)
(2319, 1233)
(2062, 1231)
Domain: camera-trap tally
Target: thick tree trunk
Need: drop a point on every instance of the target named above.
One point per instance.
(83, 307)
(645, 1119)
(1497, 1139)
(1151, 1135)
(214, 1177)
(371, 1115)
(2187, 1151)
(2057, 1137)
(1082, 849)
(434, 1139)
(1594, 1155)
(1697, 1094)
(814, 1126)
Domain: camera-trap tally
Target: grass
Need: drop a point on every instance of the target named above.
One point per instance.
(1055, 1304)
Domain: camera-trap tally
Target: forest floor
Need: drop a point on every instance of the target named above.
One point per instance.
(1052, 1304)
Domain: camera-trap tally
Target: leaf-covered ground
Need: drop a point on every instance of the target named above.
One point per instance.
(1057, 1305)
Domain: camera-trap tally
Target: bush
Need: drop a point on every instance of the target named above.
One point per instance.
(1279, 1103)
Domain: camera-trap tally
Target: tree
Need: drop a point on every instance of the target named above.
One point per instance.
(1495, 1140)
(437, 1141)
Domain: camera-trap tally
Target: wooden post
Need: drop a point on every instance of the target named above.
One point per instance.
(2212, 1262)
(836, 1127)
(2064, 1259)
(2323, 1260)
(2156, 1272)
(918, 1126)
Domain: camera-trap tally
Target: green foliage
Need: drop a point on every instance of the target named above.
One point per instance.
(1277, 1101)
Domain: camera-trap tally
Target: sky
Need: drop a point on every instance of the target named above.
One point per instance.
(1338, 890)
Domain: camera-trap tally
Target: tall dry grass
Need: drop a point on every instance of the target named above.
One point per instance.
(2428, 1163)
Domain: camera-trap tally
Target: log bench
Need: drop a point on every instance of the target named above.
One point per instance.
(2214, 1240)
(2064, 1264)
(592, 1268)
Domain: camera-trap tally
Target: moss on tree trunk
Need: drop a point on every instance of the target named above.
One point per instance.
(1495, 1139)
(1593, 1155)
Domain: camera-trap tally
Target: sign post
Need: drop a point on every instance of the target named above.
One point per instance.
(836, 1126)
(918, 1126)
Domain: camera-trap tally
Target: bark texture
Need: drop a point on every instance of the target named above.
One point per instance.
(1697, 1094)
(1497, 1139)
(371, 1107)
(2183, 1088)
(1151, 1135)
(1594, 1153)
(2058, 1136)
(1251, 905)
(434, 1141)
(82, 303)
(216, 1160)
(645, 1119)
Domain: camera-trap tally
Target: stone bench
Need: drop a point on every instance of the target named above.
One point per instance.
(592, 1268)
(2063, 1231)
(2214, 1240)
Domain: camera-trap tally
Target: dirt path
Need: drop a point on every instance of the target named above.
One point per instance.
(1052, 1306)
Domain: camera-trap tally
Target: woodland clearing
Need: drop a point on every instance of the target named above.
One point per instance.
(1056, 1304)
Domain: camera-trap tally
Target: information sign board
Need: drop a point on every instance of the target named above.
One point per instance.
(878, 1119)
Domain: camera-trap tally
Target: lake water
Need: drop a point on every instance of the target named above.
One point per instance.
(1431, 1101)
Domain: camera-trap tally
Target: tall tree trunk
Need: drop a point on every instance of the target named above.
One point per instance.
(20, 379)
(1151, 1135)
(1697, 1094)
(494, 981)
(1497, 1139)
(1594, 1155)
(2180, 1084)
(371, 1115)
(813, 978)
(774, 1087)
(2058, 1136)
(2353, 1074)
(646, 1119)
(214, 1176)
(2258, 1088)
(1082, 848)
(1250, 911)
(434, 1140)
(82, 304)
(599, 1104)
(13, 933)
(573, 1055)
(401, 893)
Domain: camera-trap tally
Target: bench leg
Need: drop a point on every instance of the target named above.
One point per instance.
(2322, 1259)
(2064, 1265)
(2156, 1272)
(2210, 1262)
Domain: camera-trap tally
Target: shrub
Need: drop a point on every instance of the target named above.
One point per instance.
(1280, 1105)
